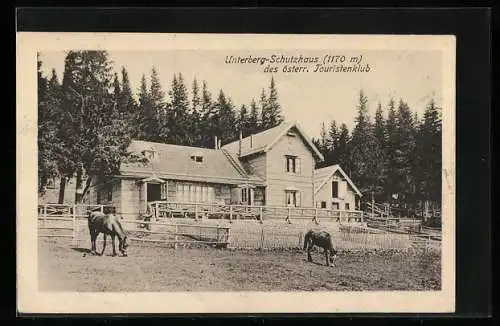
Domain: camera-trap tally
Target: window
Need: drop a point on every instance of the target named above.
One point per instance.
(291, 198)
(335, 189)
(193, 193)
(110, 193)
(197, 156)
(244, 195)
(150, 154)
(346, 206)
(292, 164)
(197, 159)
(323, 204)
(335, 206)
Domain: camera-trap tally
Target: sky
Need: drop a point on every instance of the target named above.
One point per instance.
(307, 97)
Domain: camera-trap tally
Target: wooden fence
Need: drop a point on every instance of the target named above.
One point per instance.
(72, 220)
(163, 209)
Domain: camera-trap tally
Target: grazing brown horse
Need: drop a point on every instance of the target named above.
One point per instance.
(107, 224)
(321, 239)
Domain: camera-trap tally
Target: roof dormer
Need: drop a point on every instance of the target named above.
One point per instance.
(197, 157)
(150, 154)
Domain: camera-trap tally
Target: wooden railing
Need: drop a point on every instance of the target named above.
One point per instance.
(163, 209)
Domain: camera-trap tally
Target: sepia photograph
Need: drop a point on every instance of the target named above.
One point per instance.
(220, 173)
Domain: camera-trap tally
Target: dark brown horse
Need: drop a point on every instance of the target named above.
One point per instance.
(323, 240)
(107, 224)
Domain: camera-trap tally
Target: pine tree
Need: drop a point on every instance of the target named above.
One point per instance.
(342, 151)
(49, 100)
(323, 139)
(178, 113)
(243, 121)
(380, 138)
(195, 129)
(225, 119)
(206, 118)
(128, 105)
(148, 115)
(332, 143)
(253, 122)
(158, 109)
(430, 149)
(264, 111)
(364, 150)
(94, 140)
(273, 115)
(390, 150)
(405, 147)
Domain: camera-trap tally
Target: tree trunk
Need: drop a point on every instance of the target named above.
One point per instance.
(79, 175)
(87, 186)
(62, 189)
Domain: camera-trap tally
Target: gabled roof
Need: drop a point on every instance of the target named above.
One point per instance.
(265, 140)
(323, 175)
(175, 162)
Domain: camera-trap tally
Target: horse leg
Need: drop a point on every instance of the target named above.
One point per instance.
(327, 258)
(309, 258)
(93, 236)
(103, 244)
(113, 243)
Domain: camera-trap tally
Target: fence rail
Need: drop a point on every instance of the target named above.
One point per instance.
(163, 209)
(72, 219)
(273, 233)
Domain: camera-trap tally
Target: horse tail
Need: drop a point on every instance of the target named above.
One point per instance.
(306, 239)
(119, 228)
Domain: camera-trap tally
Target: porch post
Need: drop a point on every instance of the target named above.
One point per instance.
(252, 195)
(145, 190)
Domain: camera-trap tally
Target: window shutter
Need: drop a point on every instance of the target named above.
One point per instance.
(299, 199)
(298, 165)
(163, 191)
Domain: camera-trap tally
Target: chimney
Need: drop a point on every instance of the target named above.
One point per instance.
(251, 140)
(216, 143)
(241, 139)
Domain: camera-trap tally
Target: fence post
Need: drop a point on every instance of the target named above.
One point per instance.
(316, 215)
(102, 208)
(44, 215)
(196, 211)
(340, 216)
(230, 215)
(261, 214)
(262, 238)
(176, 237)
(75, 225)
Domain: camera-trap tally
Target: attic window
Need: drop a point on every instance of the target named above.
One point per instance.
(150, 154)
(291, 134)
(197, 157)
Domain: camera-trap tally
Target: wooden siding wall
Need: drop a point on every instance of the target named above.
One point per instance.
(131, 198)
(115, 197)
(277, 177)
(325, 194)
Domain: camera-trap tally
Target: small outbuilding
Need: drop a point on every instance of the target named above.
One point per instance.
(333, 189)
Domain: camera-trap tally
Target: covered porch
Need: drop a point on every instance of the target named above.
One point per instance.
(154, 189)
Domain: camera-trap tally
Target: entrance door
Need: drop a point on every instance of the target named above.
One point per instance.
(154, 191)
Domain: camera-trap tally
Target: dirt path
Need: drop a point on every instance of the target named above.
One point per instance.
(149, 268)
